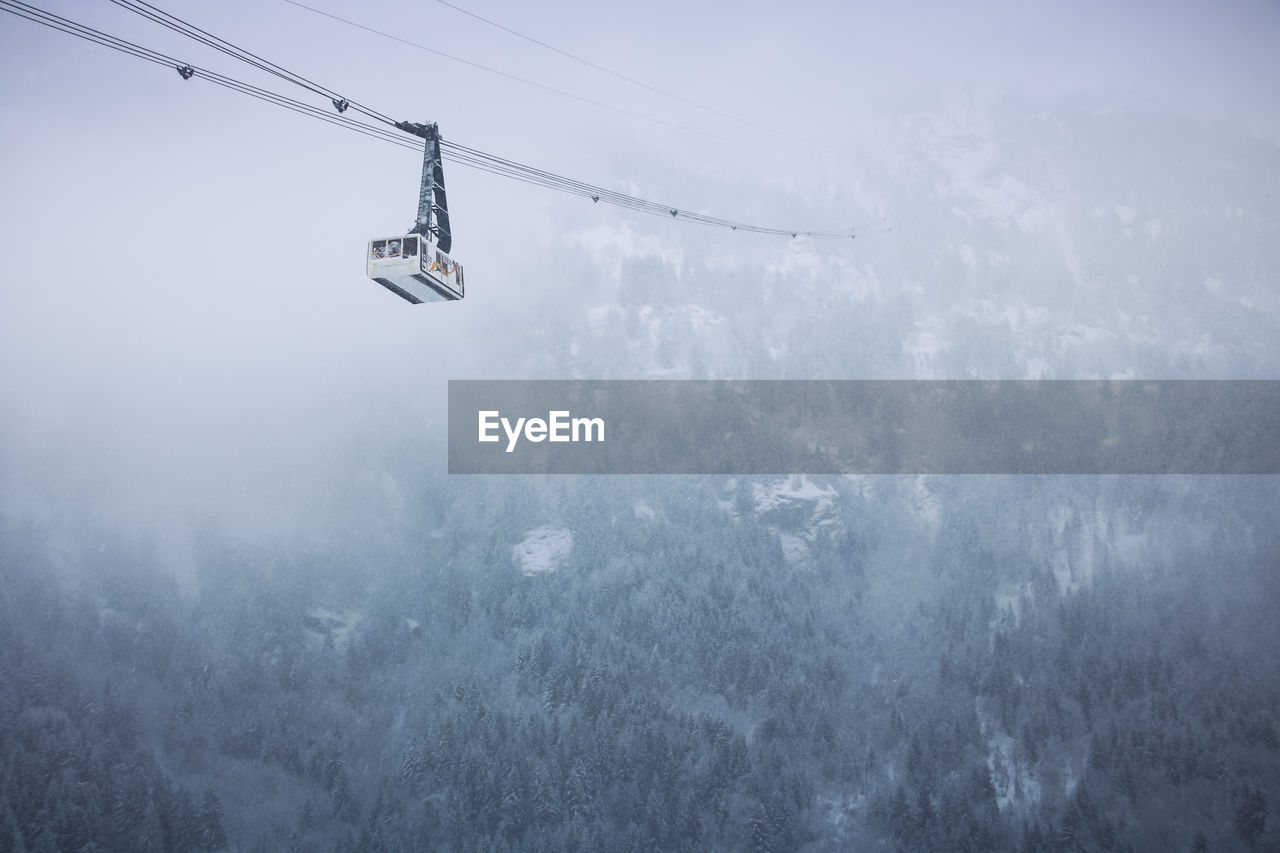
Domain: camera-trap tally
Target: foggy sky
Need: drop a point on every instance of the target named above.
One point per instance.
(184, 317)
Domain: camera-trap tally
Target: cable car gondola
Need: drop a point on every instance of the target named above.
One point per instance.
(416, 266)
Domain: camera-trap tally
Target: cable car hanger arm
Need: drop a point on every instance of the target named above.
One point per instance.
(433, 205)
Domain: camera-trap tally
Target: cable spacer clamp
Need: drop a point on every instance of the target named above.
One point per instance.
(186, 71)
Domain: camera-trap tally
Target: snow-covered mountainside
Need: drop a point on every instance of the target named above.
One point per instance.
(1025, 243)
(402, 659)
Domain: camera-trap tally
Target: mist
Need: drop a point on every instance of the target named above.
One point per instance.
(227, 530)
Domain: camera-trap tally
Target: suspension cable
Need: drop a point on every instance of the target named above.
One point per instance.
(462, 154)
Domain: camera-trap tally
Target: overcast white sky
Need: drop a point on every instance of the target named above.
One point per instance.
(181, 268)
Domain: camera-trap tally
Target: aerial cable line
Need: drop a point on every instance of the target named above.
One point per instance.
(178, 25)
(65, 25)
(36, 15)
(462, 154)
(618, 74)
(612, 197)
(509, 76)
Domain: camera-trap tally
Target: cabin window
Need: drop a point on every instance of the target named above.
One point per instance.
(393, 248)
(379, 249)
(410, 247)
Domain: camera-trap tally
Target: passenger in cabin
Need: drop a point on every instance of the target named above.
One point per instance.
(393, 249)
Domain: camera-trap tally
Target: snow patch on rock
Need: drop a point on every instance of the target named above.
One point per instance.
(1009, 598)
(1012, 779)
(331, 627)
(799, 510)
(544, 549)
(792, 502)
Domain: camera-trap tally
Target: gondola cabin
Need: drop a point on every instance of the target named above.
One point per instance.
(411, 267)
(416, 265)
